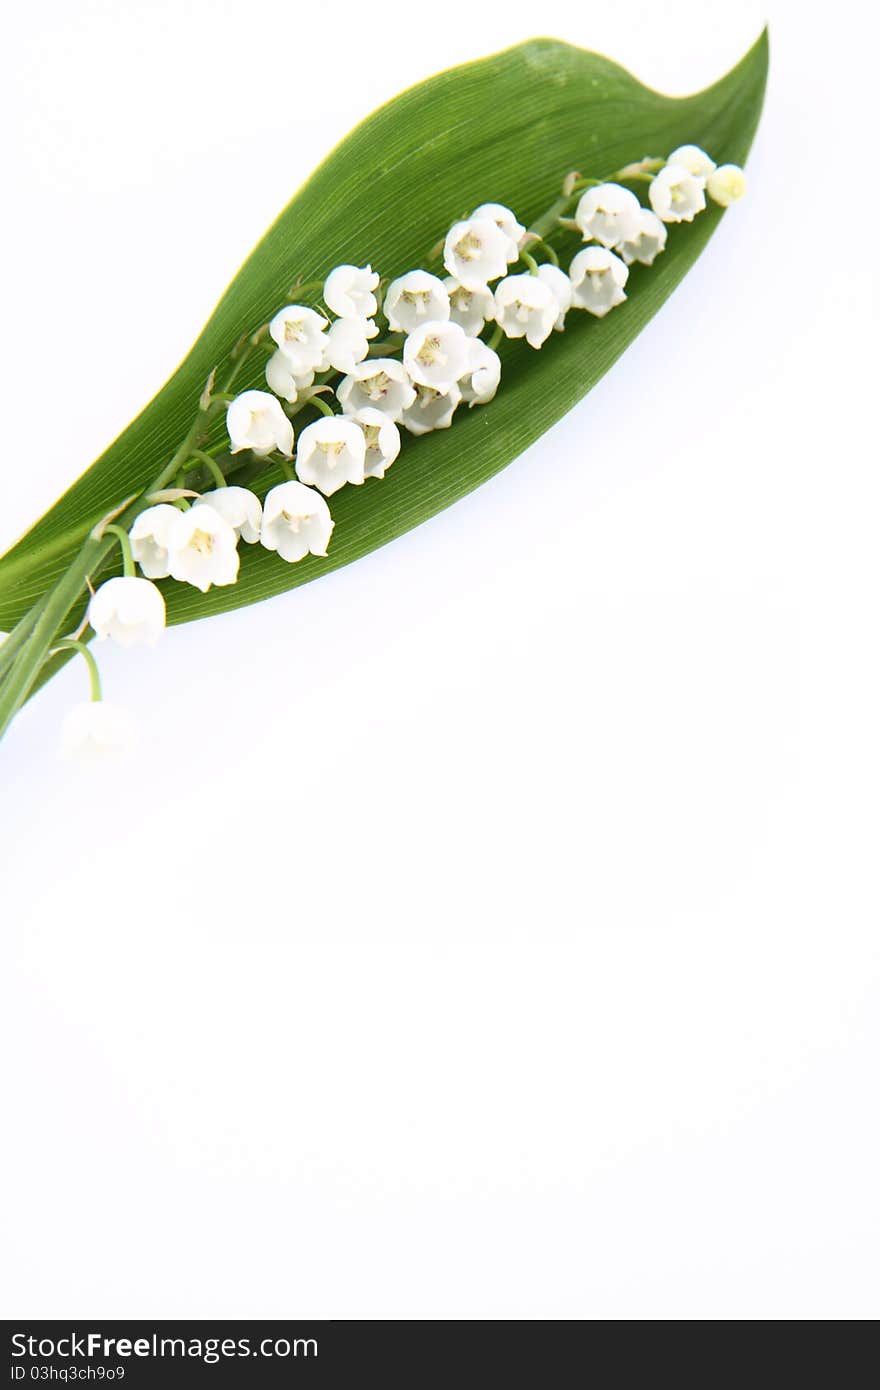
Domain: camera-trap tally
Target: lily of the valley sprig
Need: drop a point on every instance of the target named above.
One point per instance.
(375, 359)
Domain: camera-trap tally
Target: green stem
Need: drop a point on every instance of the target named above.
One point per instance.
(56, 607)
(25, 649)
(530, 262)
(641, 169)
(246, 352)
(71, 644)
(546, 223)
(10, 648)
(547, 249)
(48, 615)
(548, 220)
(211, 464)
(322, 405)
(496, 337)
(121, 535)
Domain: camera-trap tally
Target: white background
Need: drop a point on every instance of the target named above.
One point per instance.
(488, 930)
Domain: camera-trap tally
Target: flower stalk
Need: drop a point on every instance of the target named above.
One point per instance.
(31, 639)
(73, 644)
(432, 358)
(111, 529)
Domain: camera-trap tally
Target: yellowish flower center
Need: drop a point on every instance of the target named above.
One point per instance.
(376, 386)
(429, 353)
(418, 299)
(468, 247)
(202, 542)
(331, 449)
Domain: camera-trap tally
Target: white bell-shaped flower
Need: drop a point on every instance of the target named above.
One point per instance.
(381, 383)
(284, 380)
(436, 354)
(607, 213)
(296, 522)
(255, 420)
(475, 252)
(431, 409)
(96, 730)
(597, 279)
(480, 382)
(130, 610)
(526, 307)
(202, 548)
(346, 343)
(675, 195)
(331, 452)
(149, 539)
(414, 299)
(382, 438)
(695, 160)
(299, 333)
(726, 184)
(647, 238)
(470, 309)
(559, 286)
(349, 291)
(240, 507)
(506, 221)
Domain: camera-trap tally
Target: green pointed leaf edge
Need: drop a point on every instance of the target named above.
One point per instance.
(506, 128)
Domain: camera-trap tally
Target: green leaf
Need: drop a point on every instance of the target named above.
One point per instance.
(503, 129)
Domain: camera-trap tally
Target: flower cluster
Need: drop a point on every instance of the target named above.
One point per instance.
(612, 216)
(433, 359)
